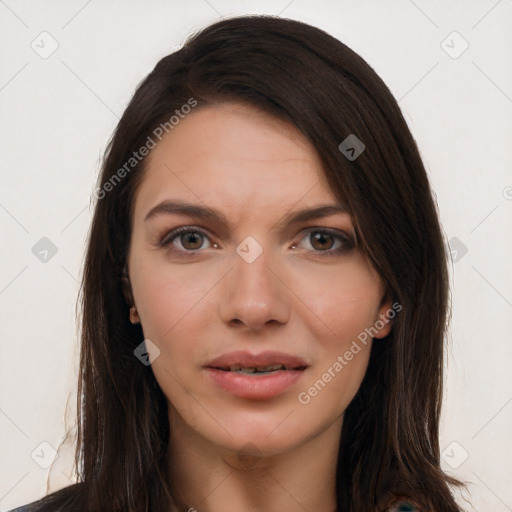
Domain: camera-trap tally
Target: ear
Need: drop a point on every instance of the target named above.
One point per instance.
(134, 316)
(127, 290)
(128, 295)
(385, 315)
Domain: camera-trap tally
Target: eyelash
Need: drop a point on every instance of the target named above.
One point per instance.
(346, 240)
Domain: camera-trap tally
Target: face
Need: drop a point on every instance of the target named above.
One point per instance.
(252, 286)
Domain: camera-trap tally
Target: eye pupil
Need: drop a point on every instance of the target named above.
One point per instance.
(321, 237)
(189, 238)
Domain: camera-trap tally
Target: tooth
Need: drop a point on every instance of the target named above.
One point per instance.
(255, 369)
(270, 368)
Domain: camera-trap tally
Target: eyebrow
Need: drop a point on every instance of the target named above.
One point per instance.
(207, 214)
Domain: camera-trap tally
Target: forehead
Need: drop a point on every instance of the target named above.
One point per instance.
(235, 155)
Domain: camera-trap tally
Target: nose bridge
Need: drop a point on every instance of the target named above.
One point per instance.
(254, 295)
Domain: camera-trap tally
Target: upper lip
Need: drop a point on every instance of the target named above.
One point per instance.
(246, 359)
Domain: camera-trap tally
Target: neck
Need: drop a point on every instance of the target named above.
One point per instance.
(210, 478)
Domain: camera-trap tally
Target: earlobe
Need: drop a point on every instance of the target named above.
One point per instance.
(134, 316)
(128, 297)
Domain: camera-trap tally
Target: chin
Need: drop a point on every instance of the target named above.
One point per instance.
(267, 436)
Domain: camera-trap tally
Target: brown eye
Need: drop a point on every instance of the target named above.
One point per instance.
(321, 241)
(191, 240)
(186, 240)
(328, 242)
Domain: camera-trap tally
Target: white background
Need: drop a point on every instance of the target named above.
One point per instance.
(57, 114)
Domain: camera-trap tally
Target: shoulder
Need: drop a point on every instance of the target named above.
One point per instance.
(68, 497)
(402, 505)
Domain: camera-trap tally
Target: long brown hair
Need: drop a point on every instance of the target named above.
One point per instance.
(390, 435)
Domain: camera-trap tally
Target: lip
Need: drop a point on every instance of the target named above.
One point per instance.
(247, 359)
(255, 386)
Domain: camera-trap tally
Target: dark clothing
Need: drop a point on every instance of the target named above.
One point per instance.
(55, 501)
(67, 496)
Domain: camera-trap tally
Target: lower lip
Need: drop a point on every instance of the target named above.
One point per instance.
(253, 385)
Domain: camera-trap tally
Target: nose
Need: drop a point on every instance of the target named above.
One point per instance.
(254, 293)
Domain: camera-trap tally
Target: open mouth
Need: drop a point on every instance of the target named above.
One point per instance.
(256, 376)
(260, 370)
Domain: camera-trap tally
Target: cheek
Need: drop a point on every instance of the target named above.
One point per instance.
(344, 303)
(342, 355)
(166, 300)
(170, 312)
(343, 307)
(174, 311)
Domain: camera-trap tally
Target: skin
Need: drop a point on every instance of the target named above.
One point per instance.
(231, 453)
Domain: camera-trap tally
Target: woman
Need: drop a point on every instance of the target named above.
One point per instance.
(265, 290)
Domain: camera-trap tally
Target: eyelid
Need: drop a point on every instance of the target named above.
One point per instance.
(168, 236)
(347, 239)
